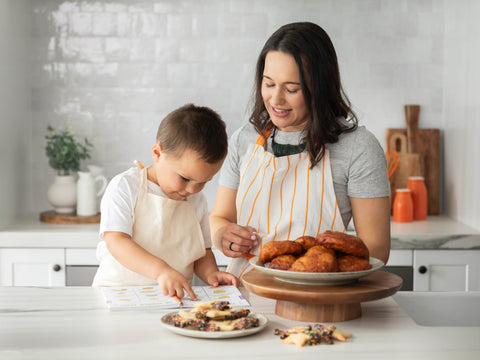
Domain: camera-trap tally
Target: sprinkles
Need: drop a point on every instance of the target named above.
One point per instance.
(213, 316)
(316, 334)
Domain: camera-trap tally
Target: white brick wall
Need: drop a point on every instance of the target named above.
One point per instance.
(113, 69)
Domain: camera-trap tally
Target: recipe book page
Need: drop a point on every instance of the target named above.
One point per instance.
(150, 297)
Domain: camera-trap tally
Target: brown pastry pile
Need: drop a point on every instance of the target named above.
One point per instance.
(331, 251)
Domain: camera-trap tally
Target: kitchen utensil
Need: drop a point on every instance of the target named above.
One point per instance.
(408, 165)
(53, 217)
(425, 142)
(392, 162)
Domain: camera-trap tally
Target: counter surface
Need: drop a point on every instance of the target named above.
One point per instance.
(437, 232)
(74, 323)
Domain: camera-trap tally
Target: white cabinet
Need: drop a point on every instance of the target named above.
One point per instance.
(446, 270)
(32, 267)
(47, 266)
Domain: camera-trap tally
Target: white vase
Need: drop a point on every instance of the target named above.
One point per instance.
(62, 194)
(89, 189)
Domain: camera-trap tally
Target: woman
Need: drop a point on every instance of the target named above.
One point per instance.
(302, 165)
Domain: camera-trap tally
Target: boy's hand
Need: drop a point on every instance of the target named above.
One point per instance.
(222, 278)
(172, 283)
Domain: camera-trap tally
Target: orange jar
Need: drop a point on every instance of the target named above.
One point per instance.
(419, 195)
(403, 206)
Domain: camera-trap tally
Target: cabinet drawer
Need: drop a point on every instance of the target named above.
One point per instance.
(400, 258)
(81, 257)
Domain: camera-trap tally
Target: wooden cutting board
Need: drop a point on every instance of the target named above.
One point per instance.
(410, 164)
(425, 143)
(53, 217)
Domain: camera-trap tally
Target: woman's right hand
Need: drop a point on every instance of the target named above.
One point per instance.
(238, 240)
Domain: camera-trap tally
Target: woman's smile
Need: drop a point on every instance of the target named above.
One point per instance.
(282, 92)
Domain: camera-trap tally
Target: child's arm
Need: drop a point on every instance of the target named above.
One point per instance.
(134, 257)
(207, 270)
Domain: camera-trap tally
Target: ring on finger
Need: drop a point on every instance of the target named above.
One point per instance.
(230, 246)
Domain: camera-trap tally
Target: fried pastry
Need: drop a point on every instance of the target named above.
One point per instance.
(317, 259)
(307, 242)
(349, 263)
(273, 249)
(282, 262)
(344, 243)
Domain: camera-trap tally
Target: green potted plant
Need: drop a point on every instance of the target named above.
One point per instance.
(65, 154)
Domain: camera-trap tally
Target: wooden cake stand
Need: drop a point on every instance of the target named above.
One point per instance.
(322, 303)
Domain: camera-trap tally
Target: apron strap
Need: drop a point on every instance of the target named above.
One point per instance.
(261, 140)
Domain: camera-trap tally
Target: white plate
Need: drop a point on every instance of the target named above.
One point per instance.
(315, 278)
(218, 334)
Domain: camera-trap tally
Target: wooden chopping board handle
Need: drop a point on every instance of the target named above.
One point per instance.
(398, 142)
(411, 114)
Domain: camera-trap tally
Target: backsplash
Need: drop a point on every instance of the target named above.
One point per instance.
(114, 69)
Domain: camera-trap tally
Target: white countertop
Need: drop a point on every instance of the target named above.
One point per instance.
(73, 323)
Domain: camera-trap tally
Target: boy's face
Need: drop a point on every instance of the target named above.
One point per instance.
(179, 177)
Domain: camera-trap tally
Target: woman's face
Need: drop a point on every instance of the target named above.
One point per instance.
(282, 92)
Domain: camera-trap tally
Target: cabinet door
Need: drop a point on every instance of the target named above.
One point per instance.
(446, 270)
(32, 267)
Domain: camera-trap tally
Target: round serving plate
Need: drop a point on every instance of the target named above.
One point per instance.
(315, 278)
(263, 321)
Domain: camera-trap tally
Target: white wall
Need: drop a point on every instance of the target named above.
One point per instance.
(113, 69)
(462, 111)
(15, 110)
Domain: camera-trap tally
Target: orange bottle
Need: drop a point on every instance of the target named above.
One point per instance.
(403, 206)
(419, 195)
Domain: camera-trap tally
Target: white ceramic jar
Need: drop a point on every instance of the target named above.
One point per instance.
(89, 189)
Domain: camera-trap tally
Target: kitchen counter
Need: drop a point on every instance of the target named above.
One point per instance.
(437, 232)
(73, 323)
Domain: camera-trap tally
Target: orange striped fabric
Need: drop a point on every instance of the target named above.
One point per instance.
(283, 199)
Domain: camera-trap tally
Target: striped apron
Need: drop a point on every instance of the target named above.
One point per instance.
(283, 199)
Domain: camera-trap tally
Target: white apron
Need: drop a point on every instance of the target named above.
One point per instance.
(284, 199)
(168, 229)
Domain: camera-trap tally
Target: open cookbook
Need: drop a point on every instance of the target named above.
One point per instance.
(150, 297)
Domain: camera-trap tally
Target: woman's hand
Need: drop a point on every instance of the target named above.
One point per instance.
(238, 240)
(232, 239)
(172, 283)
(222, 278)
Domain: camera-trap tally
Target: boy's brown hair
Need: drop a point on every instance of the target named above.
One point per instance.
(197, 128)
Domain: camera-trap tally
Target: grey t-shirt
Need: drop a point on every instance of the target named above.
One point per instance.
(359, 167)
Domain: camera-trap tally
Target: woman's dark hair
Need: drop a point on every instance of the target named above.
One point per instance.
(197, 128)
(326, 101)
